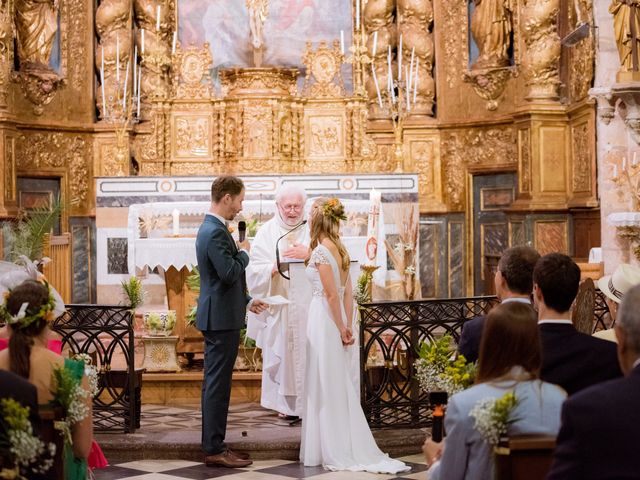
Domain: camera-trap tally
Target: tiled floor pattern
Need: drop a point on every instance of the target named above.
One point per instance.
(260, 470)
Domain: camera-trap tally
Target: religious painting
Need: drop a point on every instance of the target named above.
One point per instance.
(325, 136)
(287, 28)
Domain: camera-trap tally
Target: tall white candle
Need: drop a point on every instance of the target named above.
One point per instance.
(173, 46)
(413, 52)
(407, 87)
(357, 14)
(624, 163)
(390, 72)
(342, 42)
(139, 93)
(375, 81)
(176, 222)
(135, 70)
(375, 44)
(158, 18)
(142, 41)
(117, 57)
(104, 98)
(615, 171)
(634, 161)
(415, 85)
(126, 80)
(400, 58)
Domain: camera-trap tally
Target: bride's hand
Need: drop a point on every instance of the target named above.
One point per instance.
(347, 337)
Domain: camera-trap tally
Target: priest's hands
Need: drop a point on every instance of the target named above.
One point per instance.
(257, 306)
(297, 251)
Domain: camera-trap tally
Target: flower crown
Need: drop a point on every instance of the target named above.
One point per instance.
(21, 319)
(334, 210)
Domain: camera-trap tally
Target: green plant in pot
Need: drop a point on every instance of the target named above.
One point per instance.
(160, 322)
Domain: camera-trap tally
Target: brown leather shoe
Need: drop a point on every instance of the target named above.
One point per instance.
(237, 454)
(226, 459)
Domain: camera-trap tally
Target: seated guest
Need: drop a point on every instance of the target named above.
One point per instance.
(600, 425)
(13, 386)
(54, 341)
(513, 282)
(614, 288)
(570, 359)
(509, 362)
(27, 310)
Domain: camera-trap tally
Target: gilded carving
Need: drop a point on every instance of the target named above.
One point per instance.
(454, 34)
(36, 27)
(489, 84)
(325, 135)
(542, 57)
(191, 168)
(582, 64)
(581, 158)
(477, 147)
(378, 16)
(257, 133)
(324, 66)
(57, 150)
(6, 49)
(491, 29)
(627, 30)
(422, 156)
(9, 169)
(74, 39)
(192, 77)
(278, 81)
(192, 137)
(524, 145)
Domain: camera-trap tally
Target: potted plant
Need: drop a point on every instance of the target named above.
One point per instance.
(134, 293)
(160, 323)
(249, 357)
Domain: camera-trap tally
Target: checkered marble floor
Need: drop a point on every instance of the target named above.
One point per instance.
(260, 470)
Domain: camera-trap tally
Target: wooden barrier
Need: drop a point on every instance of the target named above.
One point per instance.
(59, 270)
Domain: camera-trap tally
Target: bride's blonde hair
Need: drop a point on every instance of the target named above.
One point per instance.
(325, 216)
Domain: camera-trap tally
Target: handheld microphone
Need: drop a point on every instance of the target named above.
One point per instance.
(278, 250)
(242, 230)
(437, 400)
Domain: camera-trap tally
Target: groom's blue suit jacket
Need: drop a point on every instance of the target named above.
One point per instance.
(223, 293)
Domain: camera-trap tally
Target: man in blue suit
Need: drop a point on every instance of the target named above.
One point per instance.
(222, 307)
(514, 282)
(599, 432)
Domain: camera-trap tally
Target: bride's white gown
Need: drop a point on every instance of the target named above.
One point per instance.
(335, 433)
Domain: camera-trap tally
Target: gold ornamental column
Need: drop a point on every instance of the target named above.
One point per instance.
(8, 202)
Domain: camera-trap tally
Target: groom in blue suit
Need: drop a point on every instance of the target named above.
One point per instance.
(222, 307)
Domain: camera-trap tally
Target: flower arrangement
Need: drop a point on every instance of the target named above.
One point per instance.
(27, 453)
(404, 253)
(361, 293)
(69, 394)
(22, 319)
(440, 369)
(494, 415)
(90, 371)
(134, 292)
(333, 209)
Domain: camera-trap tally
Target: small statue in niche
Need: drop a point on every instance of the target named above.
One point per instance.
(36, 26)
(491, 29)
(624, 12)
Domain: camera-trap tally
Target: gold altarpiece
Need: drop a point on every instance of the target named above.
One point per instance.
(527, 112)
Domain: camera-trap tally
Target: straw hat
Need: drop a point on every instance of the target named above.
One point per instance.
(616, 285)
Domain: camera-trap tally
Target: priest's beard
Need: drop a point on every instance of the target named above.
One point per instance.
(284, 223)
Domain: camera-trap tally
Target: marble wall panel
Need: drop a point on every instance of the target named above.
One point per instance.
(83, 233)
(117, 256)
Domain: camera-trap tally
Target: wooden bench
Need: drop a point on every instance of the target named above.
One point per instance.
(526, 457)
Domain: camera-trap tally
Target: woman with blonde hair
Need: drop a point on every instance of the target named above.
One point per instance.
(335, 433)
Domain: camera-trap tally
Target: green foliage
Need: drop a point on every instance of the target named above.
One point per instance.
(252, 227)
(246, 341)
(132, 288)
(360, 294)
(193, 284)
(29, 230)
(440, 368)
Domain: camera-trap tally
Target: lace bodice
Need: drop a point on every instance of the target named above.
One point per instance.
(321, 256)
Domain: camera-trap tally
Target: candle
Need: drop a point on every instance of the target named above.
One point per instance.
(173, 46)
(375, 44)
(357, 14)
(615, 171)
(142, 41)
(135, 69)
(117, 58)
(407, 87)
(624, 163)
(139, 94)
(390, 72)
(634, 162)
(342, 42)
(104, 98)
(126, 80)
(415, 86)
(400, 59)
(413, 52)
(176, 222)
(158, 18)
(375, 81)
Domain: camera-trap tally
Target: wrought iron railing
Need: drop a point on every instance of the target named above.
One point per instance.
(602, 316)
(105, 333)
(390, 336)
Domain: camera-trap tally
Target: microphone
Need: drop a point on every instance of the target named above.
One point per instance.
(303, 222)
(242, 230)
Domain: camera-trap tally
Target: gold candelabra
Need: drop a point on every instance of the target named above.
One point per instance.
(359, 58)
(368, 270)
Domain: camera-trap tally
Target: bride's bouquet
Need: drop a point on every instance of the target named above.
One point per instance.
(441, 369)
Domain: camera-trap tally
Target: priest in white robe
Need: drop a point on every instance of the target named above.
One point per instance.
(281, 337)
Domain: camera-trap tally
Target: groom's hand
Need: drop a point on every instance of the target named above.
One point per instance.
(258, 306)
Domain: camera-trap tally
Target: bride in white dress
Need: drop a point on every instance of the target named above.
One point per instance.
(335, 433)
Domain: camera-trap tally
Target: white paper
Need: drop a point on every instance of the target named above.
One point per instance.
(275, 300)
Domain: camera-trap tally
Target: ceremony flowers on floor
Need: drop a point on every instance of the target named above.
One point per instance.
(441, 369)
(494, 415)
(27, 454)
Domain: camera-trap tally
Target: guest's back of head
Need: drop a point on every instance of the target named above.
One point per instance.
(516, 266)
(558, 278)
(510, 337)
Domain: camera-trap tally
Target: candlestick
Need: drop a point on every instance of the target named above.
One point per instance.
(173, 46)
(176, 222)
(375, 81)
(375, 44)
(158, 18)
